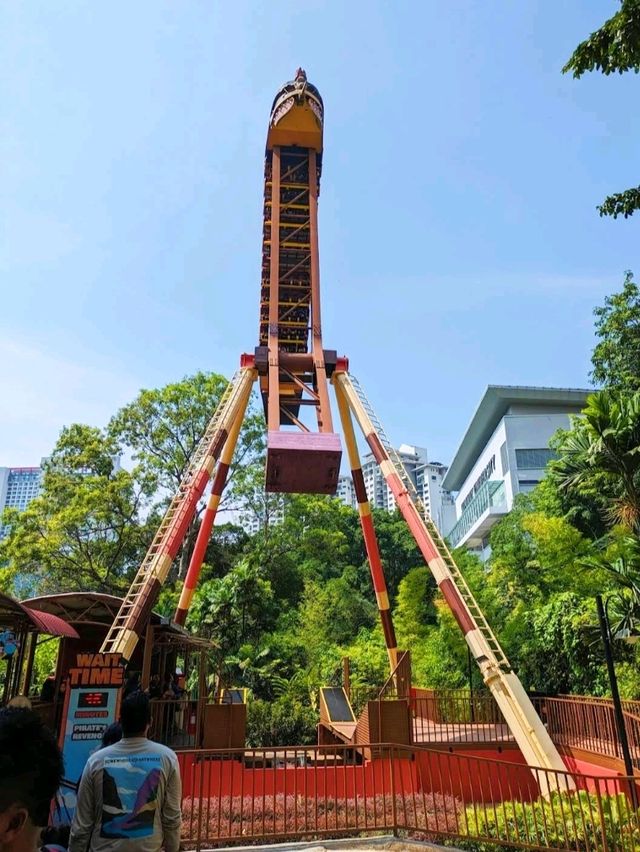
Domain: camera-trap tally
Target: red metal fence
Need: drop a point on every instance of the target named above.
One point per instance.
(589, 724)
(455, 717)
(246, 796)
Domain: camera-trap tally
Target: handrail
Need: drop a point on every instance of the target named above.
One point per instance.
(398, 684)
(305, 792)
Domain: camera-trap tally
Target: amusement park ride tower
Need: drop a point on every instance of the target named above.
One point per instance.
(294, 371)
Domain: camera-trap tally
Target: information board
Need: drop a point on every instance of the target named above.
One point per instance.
(91, 705)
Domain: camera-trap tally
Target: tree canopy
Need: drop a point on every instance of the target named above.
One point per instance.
(615, 47)
(616, 356)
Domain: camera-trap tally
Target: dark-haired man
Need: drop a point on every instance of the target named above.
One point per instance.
(130, 792)
(30, 774)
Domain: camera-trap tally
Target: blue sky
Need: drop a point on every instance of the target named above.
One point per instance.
(459, 240)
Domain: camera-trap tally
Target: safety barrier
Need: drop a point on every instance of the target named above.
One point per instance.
(175, 722)
(302, 793)
(440, 717)
(589, 724)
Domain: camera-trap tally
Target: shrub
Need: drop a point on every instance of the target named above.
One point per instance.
(283, 722)
(564, 821)
(305, 817)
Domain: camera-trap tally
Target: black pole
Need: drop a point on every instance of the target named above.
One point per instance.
(605, 630)
(470, 670)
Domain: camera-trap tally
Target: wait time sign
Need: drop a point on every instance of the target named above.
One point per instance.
(91, 705)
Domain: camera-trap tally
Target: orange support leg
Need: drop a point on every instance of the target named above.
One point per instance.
(206, 525)
(368, 531)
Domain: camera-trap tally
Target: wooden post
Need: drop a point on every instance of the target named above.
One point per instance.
(346, 676)
(29, 669)
(202, 699)
(146, 660)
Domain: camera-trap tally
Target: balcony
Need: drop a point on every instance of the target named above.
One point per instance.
(489, 504)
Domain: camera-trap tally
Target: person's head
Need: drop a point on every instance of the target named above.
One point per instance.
(20, 701)
(112, 734)
(31, 770)
(135, 715)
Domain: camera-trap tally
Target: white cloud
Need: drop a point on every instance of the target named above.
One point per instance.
(41, 391)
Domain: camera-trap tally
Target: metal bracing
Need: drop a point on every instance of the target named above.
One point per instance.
(517, 709)
(143, 593)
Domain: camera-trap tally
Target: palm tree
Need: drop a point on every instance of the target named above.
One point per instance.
(603, 446)
(623, 604)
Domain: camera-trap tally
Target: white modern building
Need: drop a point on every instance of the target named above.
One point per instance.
(503, 453)
(18, 487)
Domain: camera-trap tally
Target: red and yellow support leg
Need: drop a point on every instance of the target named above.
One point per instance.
(208, 518)
(368, 531)
(527, 729)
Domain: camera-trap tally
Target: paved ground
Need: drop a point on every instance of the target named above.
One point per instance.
(386, 843)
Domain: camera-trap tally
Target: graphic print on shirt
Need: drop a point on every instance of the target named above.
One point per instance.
(130, 795)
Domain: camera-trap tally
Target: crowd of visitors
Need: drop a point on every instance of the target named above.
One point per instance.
(129, 795)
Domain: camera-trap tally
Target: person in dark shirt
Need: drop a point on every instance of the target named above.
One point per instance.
(132, 685)
(31, 770)
(48, 691)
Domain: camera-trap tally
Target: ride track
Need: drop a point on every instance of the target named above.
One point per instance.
(294, 371)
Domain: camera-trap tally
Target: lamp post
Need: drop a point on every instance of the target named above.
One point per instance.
(605, 630)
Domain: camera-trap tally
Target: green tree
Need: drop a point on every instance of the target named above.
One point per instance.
(415, 610)
(232, 610)
(283, 722)
(602, 451)
(616, 356)
(615, 47)
(162, 427)
(86, 529)
(557, 651)
(332, 613)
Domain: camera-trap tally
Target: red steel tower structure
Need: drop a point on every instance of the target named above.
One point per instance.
(294, 372)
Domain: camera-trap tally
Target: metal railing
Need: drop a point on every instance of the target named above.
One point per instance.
(398, 684)
(491, 494)
(175, 722)
(266, 795)
(589, 724)
(456, 717)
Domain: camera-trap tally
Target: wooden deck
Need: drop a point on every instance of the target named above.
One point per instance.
(425, 731)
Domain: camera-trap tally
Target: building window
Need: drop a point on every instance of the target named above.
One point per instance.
(504, 458)
(533, 459)
(486, 473)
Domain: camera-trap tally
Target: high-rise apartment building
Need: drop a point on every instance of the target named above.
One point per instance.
(438, 502)
(426, 476)
(18, 487)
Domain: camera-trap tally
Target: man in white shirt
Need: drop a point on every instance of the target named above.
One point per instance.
(130, 792)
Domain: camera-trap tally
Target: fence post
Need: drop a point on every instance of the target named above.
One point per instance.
(603, 826)
(200, 805)
(393, 792)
